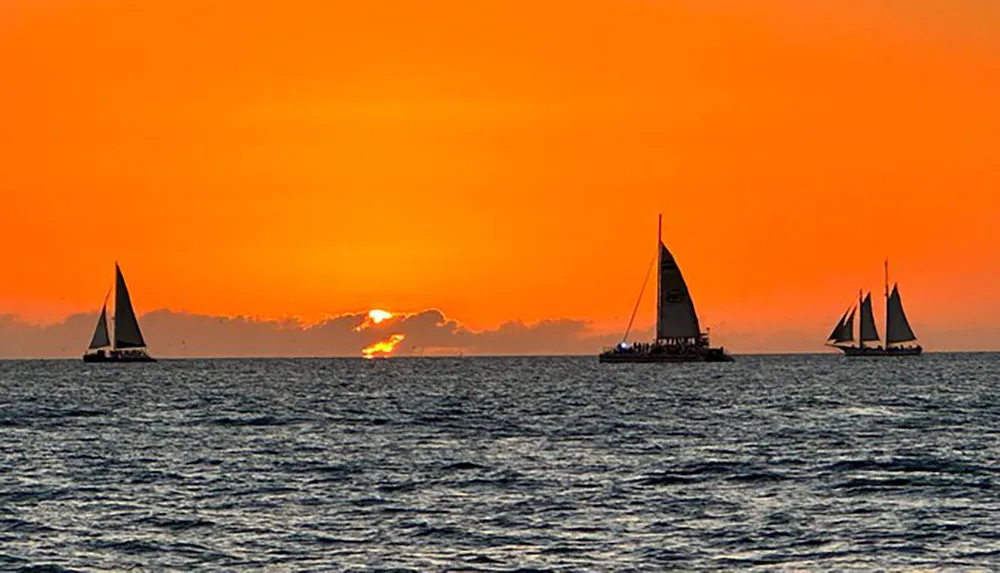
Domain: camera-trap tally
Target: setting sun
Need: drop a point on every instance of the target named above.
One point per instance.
(378, 316)
(375, 316)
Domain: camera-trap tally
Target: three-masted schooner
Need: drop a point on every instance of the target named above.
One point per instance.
(678, 335)
(898, 334)
(124, 343)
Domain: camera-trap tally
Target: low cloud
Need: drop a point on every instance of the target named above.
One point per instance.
(428, 333)
(425, 333)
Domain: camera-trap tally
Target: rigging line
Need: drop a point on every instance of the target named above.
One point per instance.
(641, 291)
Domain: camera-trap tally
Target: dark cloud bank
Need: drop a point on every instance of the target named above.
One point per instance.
(429, 333)
(177, 334)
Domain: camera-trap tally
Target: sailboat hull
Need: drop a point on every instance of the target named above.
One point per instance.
(663, 355)
(876, 352)
(107, 356)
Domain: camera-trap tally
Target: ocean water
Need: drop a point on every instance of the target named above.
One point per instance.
(501, 464)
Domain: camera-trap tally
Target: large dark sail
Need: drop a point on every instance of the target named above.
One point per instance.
(847, 334)
(868, 331)
(840, 326)
(897, 328)
(675, 314)
(127, 333)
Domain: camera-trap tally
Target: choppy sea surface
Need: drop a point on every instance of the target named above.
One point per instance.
(501, 464)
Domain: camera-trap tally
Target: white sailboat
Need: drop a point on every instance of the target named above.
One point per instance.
(678, 335)
(123, 342)
(899, 337)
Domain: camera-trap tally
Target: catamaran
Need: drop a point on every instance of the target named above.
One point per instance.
(678, 335)
(125, 342)
(898, 334)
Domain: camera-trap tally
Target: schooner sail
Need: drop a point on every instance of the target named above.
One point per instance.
(844, 331)
(678, 334)
(897, 328)
(868, 331)
(125, 342)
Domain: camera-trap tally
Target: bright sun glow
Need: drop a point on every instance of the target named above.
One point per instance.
(375, 316)
(383, 347)
(378, 316)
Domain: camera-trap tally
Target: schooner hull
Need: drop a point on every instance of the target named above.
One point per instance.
(705, 355)
(869, 352)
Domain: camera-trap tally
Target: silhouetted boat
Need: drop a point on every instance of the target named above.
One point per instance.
(678, 336)
(125, 342)
(897, 328)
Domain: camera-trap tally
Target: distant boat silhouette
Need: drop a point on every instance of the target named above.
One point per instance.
(678, 336)
(125, 342)
(897, 328)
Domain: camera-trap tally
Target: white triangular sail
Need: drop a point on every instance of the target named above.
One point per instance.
(675, 314)
(127, 333)
(897, 328)
(846, 333)
(868, 331)
(100, 339)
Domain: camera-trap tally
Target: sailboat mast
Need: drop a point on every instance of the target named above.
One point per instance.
(114, 315)
(109, 327)
(861, 330)
(887, 303)
(659, 269)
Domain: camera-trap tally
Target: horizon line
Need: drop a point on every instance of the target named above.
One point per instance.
(459, 357)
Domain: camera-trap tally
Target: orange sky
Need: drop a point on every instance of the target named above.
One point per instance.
(501, 159)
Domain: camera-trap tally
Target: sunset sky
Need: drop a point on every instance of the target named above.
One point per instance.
(505, 160)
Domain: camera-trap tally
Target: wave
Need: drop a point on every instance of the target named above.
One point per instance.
(928, 465)
(176, 524)
(21, 526)
(463, 466)
(46, 568)
(666, 479)
(253, 421)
